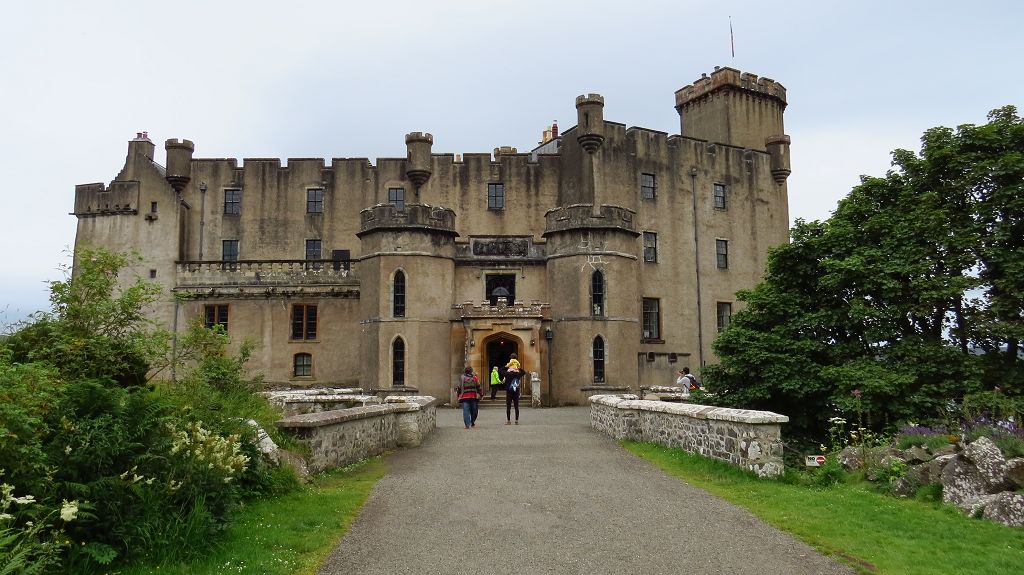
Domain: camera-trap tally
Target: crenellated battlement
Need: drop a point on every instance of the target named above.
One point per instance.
(726, 78)
(414, 216)
(589, 99)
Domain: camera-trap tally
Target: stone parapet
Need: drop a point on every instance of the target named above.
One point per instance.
(583, 216)
(485, 310)
(339, 437)
(745, 438)
(412, 216)
(265, 273)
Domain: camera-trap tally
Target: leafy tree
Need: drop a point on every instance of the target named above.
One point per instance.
(97, 328)
(875, 312)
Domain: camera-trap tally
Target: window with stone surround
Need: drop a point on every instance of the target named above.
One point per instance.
(651, 319)
(598, 354)
(232, 202)
(214, 315)
(496, 196)
(304, 321)
(398, 362)
(302, 365)
(396, 197)
(648, 190)
(315, 201)
(398, 295)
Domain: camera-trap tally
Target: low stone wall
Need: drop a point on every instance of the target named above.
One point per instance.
(337, 438)
(745, 438)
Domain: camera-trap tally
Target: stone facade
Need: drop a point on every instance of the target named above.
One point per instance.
(339, 437)
(608, 255)
(745, 438)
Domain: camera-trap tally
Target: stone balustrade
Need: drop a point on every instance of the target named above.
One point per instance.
(339, 437)
(745, 438)
(265, 273)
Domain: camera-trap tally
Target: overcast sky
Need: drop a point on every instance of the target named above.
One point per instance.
(350, 79)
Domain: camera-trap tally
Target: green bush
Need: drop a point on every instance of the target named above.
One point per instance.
(153, 473)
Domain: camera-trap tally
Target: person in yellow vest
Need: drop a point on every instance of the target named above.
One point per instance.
(495, 381)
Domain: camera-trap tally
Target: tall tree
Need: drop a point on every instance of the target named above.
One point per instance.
(876, 311)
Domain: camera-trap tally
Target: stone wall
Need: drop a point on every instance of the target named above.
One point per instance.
(745, 438)
(337, 438)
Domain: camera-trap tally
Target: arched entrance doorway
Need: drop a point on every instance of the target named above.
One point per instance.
(499, 349)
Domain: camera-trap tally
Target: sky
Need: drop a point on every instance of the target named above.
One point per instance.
(349, 79)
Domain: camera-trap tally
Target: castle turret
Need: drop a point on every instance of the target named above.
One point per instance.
(778, 149)
(590, 125)
(179, 162)
(418, 169)
(734, 108)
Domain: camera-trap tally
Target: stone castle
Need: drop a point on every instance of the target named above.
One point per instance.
(606, 257)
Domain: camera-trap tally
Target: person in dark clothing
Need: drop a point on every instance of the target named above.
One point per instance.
(469, 394)
(512, 396)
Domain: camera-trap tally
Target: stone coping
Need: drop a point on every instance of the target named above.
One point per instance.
(325, 398)
(602, 387)
(393, 404)
(693, 410)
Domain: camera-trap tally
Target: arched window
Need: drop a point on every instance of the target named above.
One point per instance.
(398, 362)
(302, 365)
(398, 295)
(598, 360)
(597, 293)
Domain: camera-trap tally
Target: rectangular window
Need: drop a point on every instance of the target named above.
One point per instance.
(314, 253)
(650, 247)
(152, 274)
(315, 201)
(232, 202)
(216, 314)
(724, 314)
(396, 197)
(495, 196)
(719, 196)
(647, 188)
(303, 321)
(722, 252)
(303, 366)
(652, 318)
(152, 207)
(229, 254)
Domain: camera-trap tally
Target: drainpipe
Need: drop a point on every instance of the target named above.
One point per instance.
(202, 217)
(549, 335)
(696, 258)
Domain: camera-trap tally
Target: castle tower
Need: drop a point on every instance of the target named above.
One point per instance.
(737, 109)
(406, 278)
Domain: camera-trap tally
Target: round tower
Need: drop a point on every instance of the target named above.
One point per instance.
(406, 275)
(592, 272)
(418, 168)
(590, 121)
(179, 162)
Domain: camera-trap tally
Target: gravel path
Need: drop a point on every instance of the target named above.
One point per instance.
(551, 496)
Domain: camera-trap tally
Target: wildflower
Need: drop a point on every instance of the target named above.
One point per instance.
(67, 450)
(68, 511)
(856, 393)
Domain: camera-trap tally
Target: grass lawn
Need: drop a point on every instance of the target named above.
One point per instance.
(874, 533)
(287, 535)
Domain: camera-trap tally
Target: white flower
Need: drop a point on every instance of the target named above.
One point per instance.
(68, 511)
(4, 516)
(67, 450)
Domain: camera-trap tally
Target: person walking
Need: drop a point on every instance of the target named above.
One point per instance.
(469, 394)
(512, 397)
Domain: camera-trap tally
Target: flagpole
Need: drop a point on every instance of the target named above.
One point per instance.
(732, 39)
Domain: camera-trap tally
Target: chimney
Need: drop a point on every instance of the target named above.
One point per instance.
(554, 129)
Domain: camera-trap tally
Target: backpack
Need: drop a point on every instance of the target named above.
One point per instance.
(693, 382)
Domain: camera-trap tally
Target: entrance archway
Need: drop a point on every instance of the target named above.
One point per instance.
(500, 348)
